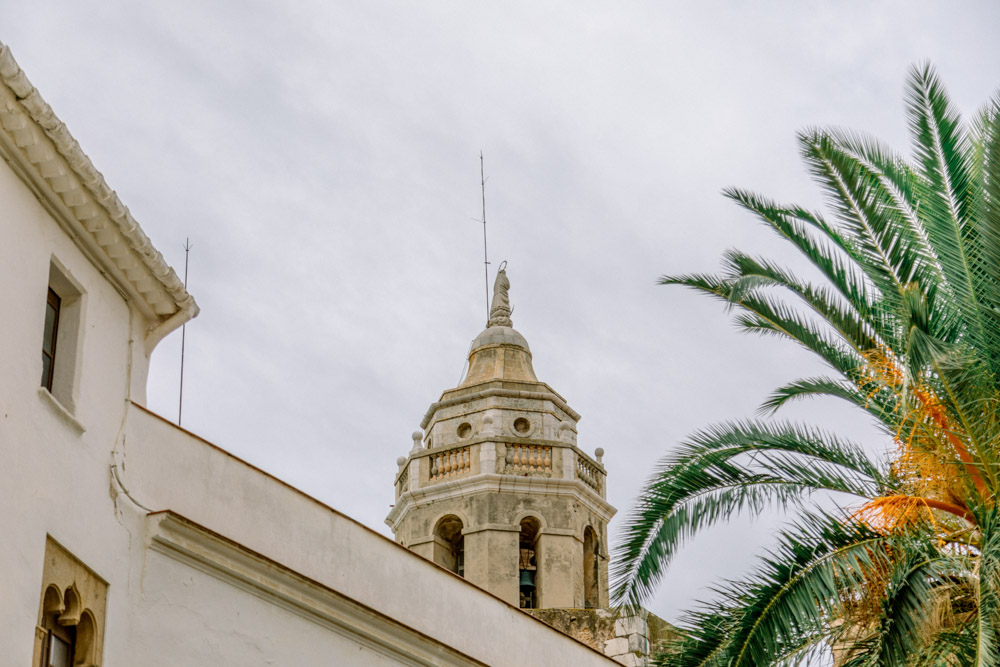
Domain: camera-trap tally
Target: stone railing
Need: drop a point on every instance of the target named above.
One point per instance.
(403, 482)
(528, 459)
(590, 474)
(427, 467)
(451, 463)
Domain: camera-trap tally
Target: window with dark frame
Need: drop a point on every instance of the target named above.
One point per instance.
(59, 649)
(49, 341)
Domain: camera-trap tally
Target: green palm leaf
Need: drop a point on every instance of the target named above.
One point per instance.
(907, 317)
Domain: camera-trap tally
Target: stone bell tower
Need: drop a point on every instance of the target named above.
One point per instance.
(495, 487)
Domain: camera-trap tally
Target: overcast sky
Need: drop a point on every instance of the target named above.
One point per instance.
(323, 157)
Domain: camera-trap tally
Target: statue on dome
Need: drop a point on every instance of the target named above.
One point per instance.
(500, 311)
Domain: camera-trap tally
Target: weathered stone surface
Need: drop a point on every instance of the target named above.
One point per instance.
(631, 660)
(638, 644)
(593, 627)
(627, 625)
(629, 640)
(615, 647)
(659, 633)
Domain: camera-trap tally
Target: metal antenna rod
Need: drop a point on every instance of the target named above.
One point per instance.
(180, 400)
(486, 258)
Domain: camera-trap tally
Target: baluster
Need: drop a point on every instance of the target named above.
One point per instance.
(548, 459)
(509, 458)
(517, 456)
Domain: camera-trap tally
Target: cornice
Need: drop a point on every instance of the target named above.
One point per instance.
(496, 483)
(40, 149)
(491, 390)
(181, 539)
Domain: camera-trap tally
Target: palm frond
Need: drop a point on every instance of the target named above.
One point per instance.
(732, 468)
(788, 602)
(907, 315)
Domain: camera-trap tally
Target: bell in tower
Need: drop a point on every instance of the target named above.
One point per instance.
(495, 487)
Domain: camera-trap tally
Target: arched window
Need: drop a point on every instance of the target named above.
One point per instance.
(59, 638)
(70, 617)
(449, 544)
(591, 560)
(527, 570)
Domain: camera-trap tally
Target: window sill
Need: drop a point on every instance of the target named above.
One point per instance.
(60, 410)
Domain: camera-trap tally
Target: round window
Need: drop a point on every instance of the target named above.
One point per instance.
(522, 425)
(464, 430)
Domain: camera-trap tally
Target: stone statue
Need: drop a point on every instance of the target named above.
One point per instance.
(500, 311)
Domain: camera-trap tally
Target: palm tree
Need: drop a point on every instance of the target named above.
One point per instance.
(907, 317)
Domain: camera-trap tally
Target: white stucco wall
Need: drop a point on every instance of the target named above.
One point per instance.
(188, 617)
(57, 479)
(168, 468)
(54, 472)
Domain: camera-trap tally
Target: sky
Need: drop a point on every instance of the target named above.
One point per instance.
(323, 159)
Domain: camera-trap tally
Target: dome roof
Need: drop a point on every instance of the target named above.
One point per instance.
(499, 335)
(499, 353)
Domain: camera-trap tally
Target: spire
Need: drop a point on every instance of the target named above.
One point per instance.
(500, 312)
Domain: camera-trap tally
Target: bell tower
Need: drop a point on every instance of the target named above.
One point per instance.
(495, 487)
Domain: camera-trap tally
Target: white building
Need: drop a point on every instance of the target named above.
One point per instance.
(127, 540)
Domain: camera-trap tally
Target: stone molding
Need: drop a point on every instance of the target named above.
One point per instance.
(492, 483)
(73, 596)
(502, 393)
(42, 152)
(185, 541)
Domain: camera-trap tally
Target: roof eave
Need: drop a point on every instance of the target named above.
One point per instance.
(45, 156)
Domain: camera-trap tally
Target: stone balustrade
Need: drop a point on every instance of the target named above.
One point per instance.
(556, 461)
(590, 474)
(451, 463)
(403, 481)
(528, 459)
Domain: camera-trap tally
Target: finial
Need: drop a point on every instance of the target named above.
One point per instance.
(417, 437)
(500, 312)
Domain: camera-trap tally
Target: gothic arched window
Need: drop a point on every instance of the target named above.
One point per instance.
(449, 544)
(527, 570)
(71, 613)
(591, 561)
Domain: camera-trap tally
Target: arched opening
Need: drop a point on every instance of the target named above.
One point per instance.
(591, 560)
(86, 639)
(449, 544)
(528, 579)
(59, 621)
(73, 607)
(52, 603)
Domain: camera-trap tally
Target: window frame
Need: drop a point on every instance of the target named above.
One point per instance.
(56, 631)
(53, 301)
